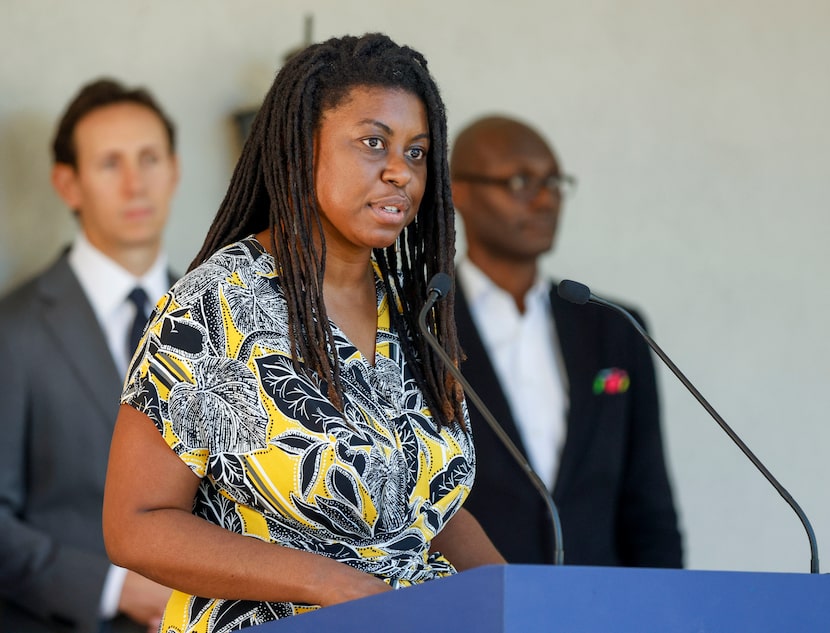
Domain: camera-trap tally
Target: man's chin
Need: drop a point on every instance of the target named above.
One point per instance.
(141, 241)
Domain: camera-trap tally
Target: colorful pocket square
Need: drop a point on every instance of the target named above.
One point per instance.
(611, 381)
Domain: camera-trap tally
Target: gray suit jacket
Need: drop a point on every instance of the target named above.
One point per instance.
(59, 397)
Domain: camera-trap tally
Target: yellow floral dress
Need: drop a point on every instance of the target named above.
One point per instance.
(369, 486)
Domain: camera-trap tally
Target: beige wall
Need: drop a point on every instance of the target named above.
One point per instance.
(698, 130)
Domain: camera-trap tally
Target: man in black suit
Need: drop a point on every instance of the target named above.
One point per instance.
(65, 341)
(573, 386)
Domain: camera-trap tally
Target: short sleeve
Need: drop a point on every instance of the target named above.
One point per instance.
(189, 377)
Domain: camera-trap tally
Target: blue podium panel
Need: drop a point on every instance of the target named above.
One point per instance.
(536, 598)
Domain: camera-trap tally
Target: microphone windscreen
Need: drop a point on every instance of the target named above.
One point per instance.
(441, 284)
(574, 292)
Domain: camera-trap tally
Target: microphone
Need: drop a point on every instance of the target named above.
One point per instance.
(580, 294)
(439, 287)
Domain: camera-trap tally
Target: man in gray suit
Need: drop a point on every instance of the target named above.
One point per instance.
(66, 337)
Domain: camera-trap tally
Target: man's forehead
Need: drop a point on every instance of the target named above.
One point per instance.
(120, 123)
(519, 149)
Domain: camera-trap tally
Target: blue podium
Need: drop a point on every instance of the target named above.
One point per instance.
(537, 598)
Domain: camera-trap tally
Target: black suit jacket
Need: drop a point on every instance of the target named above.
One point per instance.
(612, 489)
(59, 395)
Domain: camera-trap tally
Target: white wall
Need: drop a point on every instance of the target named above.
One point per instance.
(698, 130)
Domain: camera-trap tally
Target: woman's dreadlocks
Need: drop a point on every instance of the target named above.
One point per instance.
(273, 187)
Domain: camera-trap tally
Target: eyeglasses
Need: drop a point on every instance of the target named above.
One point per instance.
(523, 186)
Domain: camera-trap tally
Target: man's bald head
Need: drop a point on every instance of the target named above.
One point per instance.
(507, 187)
(480, 144)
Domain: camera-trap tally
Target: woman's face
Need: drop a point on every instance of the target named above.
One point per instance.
(370, 167)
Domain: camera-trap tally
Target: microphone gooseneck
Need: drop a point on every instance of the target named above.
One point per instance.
(439, 286)
(578, 293)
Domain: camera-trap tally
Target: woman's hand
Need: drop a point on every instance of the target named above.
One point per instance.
(346, 583)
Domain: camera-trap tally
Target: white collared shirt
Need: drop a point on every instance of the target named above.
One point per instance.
(524, 351)
(106, 286)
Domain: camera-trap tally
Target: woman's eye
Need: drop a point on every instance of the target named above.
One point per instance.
(417, 153)
(373, 142)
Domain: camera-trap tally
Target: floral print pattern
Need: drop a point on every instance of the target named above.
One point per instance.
(369, 486)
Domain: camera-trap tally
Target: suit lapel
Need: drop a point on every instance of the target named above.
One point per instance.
(71, 323)
(579, 353)
(478, 364)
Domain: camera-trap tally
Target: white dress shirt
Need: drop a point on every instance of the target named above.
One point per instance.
(524, 351)
(106, 286)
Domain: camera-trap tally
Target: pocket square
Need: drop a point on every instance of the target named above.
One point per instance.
(611, 381)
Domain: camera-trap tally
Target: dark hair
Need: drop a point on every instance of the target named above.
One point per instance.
(98, 94)
(272, 187)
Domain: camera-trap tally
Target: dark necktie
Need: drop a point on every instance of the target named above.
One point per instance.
(139, 299)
